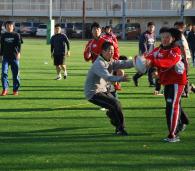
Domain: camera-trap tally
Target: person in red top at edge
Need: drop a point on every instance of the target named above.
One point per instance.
(172, 74)
(93, 47)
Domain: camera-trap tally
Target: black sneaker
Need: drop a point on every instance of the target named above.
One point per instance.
(121, 132)
(65, 76)
(135, 81)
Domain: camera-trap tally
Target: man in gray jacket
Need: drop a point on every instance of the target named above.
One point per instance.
(98, 81)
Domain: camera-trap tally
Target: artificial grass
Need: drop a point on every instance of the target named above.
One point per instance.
(50, 125)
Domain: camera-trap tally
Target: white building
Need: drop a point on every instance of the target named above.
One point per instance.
(162, 12)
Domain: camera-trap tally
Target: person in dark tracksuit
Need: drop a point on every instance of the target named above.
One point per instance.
(146, 44)
(172, 74)
(191, 43)
(59, 42)
(10, 50)
(99, 77)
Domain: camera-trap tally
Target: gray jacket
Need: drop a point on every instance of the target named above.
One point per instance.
(100, 75)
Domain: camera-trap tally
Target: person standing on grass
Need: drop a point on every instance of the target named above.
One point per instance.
(99, 77)
(188, 30)
(191, 42)
(172, 74)
(10, 51)
(93, 47)
(146, 44)
(59, 41)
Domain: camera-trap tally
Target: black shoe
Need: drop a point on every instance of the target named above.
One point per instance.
(121, 132)
(135, 81)
(65, 76)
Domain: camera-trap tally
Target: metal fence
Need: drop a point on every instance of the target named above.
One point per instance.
(93, 5)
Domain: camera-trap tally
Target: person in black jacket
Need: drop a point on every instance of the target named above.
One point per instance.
(146, 44)
(10, 51)
(58, 51)
(191, 42)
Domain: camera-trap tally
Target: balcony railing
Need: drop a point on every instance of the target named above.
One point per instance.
(99, 7)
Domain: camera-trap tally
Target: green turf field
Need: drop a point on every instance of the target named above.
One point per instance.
(50, 126)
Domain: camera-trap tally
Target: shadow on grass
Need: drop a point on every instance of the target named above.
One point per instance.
(78, 117)
(49, 90)
(101, 166)
(53, 86)
(144, 97)
(79, 109)
(67, 135)
(42, 98)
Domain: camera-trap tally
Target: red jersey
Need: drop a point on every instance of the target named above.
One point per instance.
(112, 38)
(171, 69)
(93, 49)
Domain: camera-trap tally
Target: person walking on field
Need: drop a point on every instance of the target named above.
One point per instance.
(99, 77)
(172, 74)
(10, 51)
(146, 44)
(60, 48)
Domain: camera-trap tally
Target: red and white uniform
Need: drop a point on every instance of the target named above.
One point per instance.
(94, 47)
(172, 74)
(113, 39)
(165, 61)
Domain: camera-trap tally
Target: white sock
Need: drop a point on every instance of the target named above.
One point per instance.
(65, 73)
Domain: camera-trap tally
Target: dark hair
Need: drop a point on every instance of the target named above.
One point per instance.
(173, 31)
(106, 45)
(188, 25)
(95, 24)
(150, 24)
(57, 25)
(163, 30)
(9, 22)
(108, 27)
(179, 23)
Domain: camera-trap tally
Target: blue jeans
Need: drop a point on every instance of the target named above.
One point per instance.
(14, 63)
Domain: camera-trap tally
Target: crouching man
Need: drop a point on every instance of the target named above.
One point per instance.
(97, 82)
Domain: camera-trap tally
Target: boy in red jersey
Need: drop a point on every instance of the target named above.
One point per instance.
(111, 37)
(172, 74)
(93, 47)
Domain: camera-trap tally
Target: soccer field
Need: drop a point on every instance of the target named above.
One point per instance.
(50, 125)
